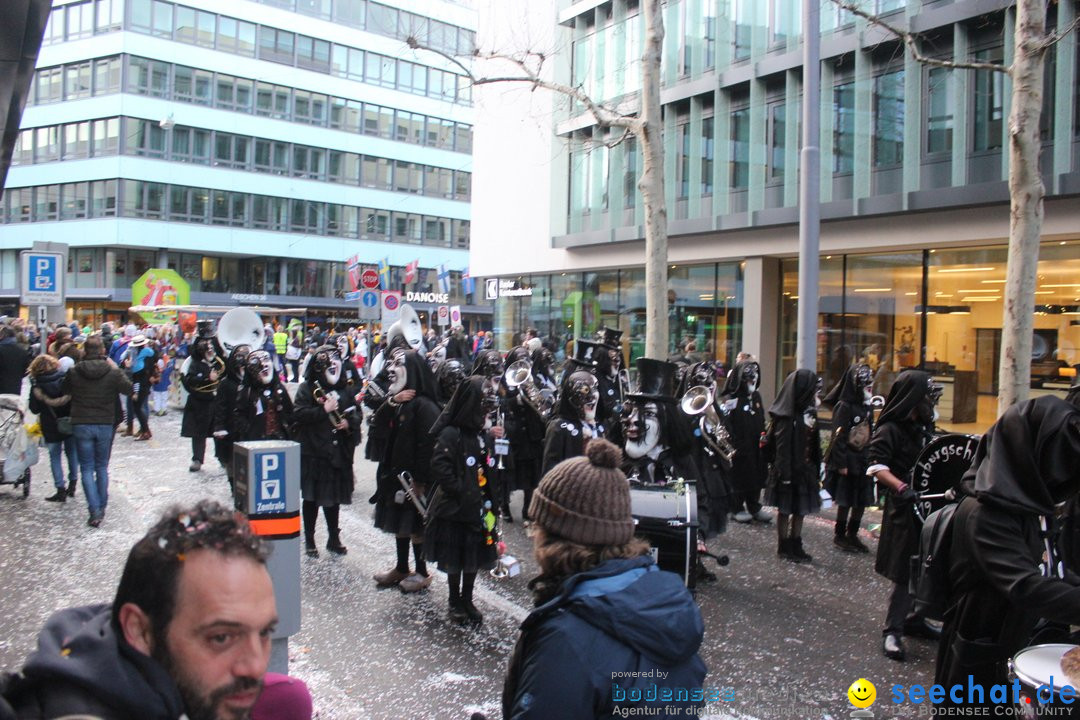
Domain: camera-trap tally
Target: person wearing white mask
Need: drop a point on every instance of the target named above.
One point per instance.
(746, 422)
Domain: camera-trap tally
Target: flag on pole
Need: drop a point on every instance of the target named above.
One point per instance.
(444, 280)
(384, 273)
(410, 271)
(468, 285)
(354, 270)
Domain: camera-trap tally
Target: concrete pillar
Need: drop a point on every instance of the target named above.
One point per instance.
(758, 123)
(1064, 82)
(761, 319)
(962, 80)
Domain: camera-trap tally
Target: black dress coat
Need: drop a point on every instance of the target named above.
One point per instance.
(248, 420)
(565, 438)
(897, 445)
(199, 411)
(224, 403)
(854, 489)
(746, 423)
(1001, 583)
(326, 453)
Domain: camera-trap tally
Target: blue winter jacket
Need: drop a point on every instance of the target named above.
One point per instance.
(603, 642)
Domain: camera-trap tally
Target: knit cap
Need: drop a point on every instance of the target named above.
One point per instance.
(586, 499)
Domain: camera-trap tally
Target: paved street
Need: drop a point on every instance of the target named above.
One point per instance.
(788, 639)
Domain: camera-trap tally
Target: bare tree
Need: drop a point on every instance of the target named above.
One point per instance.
(527, 68)
(1026, 189)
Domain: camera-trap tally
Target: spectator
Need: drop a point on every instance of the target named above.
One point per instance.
(602, 604)
(64, 344)
(198, 575)
(281, 341)
(93, 384)
(14, 360)
(50, 403)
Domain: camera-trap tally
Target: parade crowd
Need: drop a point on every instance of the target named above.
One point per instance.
(456, 426)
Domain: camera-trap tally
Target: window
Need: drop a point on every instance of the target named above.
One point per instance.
(382, 19)
(54, 33)
(194, 86)
(191, 145)
(236, 36)
(269, 213)
(309, 162)
(379, 70)
(309, 107)
(77, 81)
(313, 54)
(412, 77)
(80, 20)
(889, 119)
(106, 137)
(461, 233)
(75, 201)
(707, 150)
(146, 137)
(463, 136)
(988, 106)
(276, 45)
(350, 12)
(163, 19)
(440, 133)
(46, 144)
(682, 161)
(49, 85)
(406, 228)
(232, 93)
(148, 77)
(76, 141)
(437, 231)
(376, 224)
(227, 208)
(19, 202)
(378, 121)
(438, 182)
(345, 114)
(743, 28)
(410, 127)
(844, 128)
(306, 216)
(940, 110)
(408, 177)
(272, 157)
(315, 8)
(740, 149)
(187, 204)
(463, 185)
(107, 75)
(777, 141)
(103, 198)
(46, 203)
(24, 149)
(231, 150)
(272, 100)
(343, 167)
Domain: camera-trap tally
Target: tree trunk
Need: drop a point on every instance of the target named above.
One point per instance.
(1025, 205)
(652, 186)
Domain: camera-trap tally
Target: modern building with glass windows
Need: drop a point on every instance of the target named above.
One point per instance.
(250, 146)
(915, 212)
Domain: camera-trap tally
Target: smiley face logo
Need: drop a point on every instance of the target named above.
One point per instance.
(862, 693)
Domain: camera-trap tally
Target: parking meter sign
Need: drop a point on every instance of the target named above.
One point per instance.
(269, 483)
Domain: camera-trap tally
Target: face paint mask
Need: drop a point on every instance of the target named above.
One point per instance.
(262, 366)
(809, 418)
(397, 375)
(583, 394)
(752, 376)
(333, 372)
(641, 426)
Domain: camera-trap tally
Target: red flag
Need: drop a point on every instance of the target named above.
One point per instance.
(410, 271)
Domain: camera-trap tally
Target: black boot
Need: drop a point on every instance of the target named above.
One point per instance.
(474, 615)
(333, 544)
(309, 546)
(783, 548)
(59, 496)
(797, 553)
(71, 488)
(855, 543)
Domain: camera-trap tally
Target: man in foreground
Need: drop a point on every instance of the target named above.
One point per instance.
(188, 633)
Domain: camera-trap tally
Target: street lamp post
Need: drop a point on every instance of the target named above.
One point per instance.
(809, 189)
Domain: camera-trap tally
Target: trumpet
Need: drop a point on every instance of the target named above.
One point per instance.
(699, 400)
(217, 365)
(336, 418)
(519, 375)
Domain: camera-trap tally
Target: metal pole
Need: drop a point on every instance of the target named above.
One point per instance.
(809, 189)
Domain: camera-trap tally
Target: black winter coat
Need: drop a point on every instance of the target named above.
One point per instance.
(746, 422)
(93, 386)
(14, 359)
(897, 445)
(626, 615)
(311, 426)
(458, 496)
(45, 388)
(248, 420)
(100, 676)
(199, 410)
(409, 446)
(565, 438)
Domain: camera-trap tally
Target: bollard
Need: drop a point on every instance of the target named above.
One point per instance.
(267, 477)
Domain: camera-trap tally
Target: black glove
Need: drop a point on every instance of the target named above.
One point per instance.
(907, 495)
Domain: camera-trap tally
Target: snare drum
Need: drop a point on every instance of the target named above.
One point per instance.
(1034, 667)
(669, 521)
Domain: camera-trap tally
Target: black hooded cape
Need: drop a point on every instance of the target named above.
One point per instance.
(851, 416)
(460, 452)
(746, 422)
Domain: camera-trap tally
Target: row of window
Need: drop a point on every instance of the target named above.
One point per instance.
(385, 20)
(142, 76)
(187, 25)
(177, 203)
(96, 138)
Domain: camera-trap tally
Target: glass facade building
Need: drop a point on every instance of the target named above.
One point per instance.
(250, 146)
(914, 196)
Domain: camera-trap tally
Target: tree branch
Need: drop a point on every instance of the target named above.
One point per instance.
(911, 40)
(604, 116)
(1055, 37)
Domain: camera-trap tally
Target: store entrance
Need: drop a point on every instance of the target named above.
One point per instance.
(987, 358)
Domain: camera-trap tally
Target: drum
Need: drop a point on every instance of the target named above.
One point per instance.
(1034, 667)
(939, 468)
(669, 521)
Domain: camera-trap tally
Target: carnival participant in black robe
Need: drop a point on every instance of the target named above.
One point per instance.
(714, 489)
(224, 404)
(1003, 567)
(524, 429)
(796, 460)
(610, 364)
(413, 407)
(325, 424)
(746, 423)
(349, 374)
(543, 370)
(905, 425)
(451, 374)
(848, 456)
(574, 422)
(263, 409)
(462, 533)
(489, 364)
(374, 397)
(200, 381)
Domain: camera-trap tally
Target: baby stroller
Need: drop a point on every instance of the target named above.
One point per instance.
(15, 445)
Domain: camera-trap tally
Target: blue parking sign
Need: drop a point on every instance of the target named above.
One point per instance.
(42, 278)
(269, 482)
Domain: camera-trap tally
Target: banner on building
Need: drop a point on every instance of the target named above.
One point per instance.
(160, 286)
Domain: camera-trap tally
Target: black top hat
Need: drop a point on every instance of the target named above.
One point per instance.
(656, 380)
(610, 337)
(586, 353)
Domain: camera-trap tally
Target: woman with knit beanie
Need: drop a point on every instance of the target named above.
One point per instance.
(461, 534)
(603, 607)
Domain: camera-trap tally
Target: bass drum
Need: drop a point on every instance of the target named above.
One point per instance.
(669, 521)
(939, 468)
(1037, 667)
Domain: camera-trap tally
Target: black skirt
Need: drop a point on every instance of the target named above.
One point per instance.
(323, 483)
(398, 519)
(852, 491)
(458, 547)
(794, 498)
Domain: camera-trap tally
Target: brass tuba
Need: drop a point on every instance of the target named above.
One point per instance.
(699, 400)
(519, 375)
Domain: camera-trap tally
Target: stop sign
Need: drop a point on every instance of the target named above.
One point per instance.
(369, 279)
